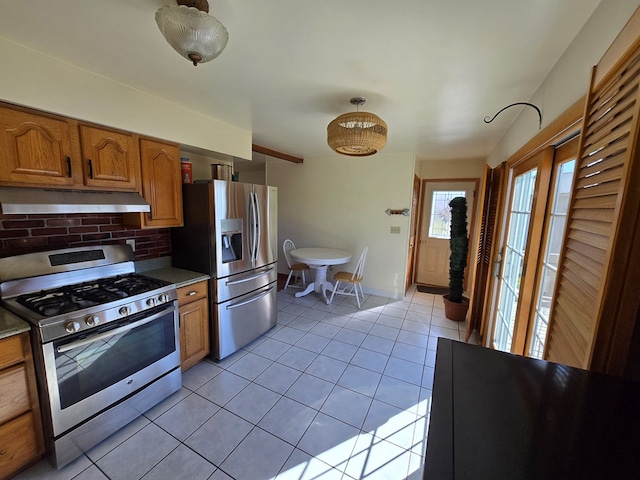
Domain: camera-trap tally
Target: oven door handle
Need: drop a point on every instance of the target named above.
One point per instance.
(251, 300)
(110, 333)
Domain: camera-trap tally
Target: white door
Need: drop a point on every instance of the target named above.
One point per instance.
(433, 250)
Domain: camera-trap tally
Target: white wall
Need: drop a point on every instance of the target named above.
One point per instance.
(340, 202)
(252, 176)
(569, 79)
(441, 169)
(33, 79)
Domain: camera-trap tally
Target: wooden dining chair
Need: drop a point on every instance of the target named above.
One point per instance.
(296, 270)
(348, 283)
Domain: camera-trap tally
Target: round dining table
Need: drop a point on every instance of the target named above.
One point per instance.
(319, 259)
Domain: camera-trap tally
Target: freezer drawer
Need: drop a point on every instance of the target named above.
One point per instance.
(245, 282)
(243, 319)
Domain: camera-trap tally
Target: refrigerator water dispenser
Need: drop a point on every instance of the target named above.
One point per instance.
(231, 239)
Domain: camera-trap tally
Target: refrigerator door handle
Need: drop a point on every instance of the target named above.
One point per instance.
(251, 300)
(248, 279)
(258, 225)
(254, 230)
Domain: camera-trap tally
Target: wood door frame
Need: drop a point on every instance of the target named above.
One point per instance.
(413, 230)
(470, 223)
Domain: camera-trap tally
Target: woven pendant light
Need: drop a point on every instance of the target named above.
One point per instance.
(357, 134)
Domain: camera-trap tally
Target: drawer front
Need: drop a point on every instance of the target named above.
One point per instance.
(11, 350)
(192, 292)
(243, 283)
(18, 445)
(14, 399)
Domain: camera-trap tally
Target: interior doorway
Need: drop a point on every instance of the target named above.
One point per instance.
(433, 245)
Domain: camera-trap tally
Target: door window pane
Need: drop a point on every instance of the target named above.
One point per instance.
(514, 251)
(563, 188)
(440, 221)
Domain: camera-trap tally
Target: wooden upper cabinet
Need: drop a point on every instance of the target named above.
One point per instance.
(39, 149)
(110, 159)
(36, 149)
(161, 185)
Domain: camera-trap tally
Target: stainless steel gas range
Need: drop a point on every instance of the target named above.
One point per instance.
(105, 340)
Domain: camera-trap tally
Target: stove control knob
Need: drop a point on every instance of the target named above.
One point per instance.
(124, 311)
(92, 320)
(163, 298)
(151, 302)
(72, 327)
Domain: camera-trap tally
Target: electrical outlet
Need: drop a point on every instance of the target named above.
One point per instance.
(394, 230)
(132, 242)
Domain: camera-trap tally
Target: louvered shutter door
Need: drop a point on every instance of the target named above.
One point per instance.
(492, 191)
(584, 285)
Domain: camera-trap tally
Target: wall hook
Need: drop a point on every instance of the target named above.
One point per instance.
(403, 211)
(488, 119)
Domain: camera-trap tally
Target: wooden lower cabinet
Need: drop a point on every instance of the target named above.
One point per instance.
(193, 303)
(19, 444)
(21, 440)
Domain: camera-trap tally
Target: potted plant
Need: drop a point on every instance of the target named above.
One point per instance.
(455, 305)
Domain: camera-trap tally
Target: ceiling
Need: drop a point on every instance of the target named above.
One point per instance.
(432, 69)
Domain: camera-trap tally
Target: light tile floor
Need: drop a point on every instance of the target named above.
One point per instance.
(332, 392)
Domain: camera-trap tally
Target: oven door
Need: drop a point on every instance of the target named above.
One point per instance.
(89, 373)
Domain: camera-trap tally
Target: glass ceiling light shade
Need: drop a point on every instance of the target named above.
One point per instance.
(191, 31)
(357, 134)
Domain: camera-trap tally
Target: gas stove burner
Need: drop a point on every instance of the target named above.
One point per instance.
(70, 298)
(48, 304)
(96, 293)
(55, 302)
(135, 284)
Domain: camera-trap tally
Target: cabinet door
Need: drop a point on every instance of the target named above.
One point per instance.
(35, 149)
(194, 333)
(161, 185)
(15, 399)
(19, 444)
(110, 159)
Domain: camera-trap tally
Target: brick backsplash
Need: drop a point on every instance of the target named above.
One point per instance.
(30, 233)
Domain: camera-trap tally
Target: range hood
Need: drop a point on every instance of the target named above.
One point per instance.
(21, 200)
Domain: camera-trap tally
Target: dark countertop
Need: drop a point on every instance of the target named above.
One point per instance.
(501, 416)
(180, 277)
(11, 325)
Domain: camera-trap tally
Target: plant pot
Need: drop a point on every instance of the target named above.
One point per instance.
(455, 311)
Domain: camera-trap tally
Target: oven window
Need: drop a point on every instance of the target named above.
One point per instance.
(93, 366)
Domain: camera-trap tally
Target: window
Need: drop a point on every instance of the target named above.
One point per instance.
(440, 224)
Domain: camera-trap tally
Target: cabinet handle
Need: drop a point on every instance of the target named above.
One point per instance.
(90, 168)
(192, 293)
(69, 167)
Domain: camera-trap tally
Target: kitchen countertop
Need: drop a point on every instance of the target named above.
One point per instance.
(11, 325)
(180, 277)
(497, 416)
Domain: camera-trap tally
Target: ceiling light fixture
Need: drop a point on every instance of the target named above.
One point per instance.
(191, 31)
(357, 134)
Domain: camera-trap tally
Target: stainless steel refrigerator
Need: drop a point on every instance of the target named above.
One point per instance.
(230, 233)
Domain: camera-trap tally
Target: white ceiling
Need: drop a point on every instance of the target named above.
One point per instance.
(432, 69)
